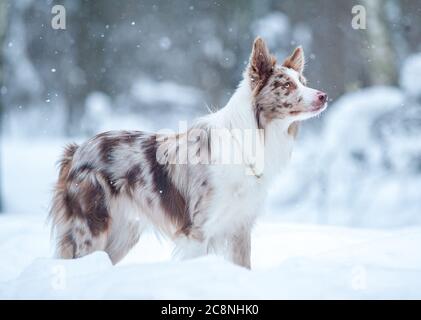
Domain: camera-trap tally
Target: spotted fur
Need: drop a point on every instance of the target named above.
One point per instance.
(118, 182)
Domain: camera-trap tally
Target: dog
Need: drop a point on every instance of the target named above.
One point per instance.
(116, 184)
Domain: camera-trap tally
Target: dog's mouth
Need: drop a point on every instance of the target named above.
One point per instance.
(313, 109)
(319, 108)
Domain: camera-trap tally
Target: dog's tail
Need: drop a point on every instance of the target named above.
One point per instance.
(66, 160)
(57, 214)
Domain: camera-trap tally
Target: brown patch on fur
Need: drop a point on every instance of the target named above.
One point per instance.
(258, 116)
(75, 172)
(109, 141)
(172, 201)
(293, 129)
(94, 210)
(79, 197)
(134, 177)
(107, 146)
(295, 61)
(129, 137)
(61, 185)
(66, 161)
(67, 245)
(103, 134)
(261, 65)
(149, 201)
(302, 79)
(276, 84)
(111, 183)
(284, 82)
(80, 231)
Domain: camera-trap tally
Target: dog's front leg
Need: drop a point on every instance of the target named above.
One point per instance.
(240, 247)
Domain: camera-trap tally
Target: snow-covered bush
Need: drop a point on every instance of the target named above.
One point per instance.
(411, 76)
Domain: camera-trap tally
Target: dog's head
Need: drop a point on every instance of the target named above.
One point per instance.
(279, 90)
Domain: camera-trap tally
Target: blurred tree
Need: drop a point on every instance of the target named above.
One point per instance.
(397, 30)
(86, 28)
(3, 17)
(409, 23)
(380, 53)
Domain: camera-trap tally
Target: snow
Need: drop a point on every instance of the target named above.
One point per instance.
(34, 179)
(289, 261)
(411, 75)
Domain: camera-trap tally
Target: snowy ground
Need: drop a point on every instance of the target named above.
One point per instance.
(289, 261)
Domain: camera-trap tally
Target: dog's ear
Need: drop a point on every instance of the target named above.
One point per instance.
(261, 62)
(296, 61)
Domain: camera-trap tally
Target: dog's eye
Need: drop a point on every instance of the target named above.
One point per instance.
(288, 84)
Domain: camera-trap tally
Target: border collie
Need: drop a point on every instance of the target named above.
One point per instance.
(113, 186)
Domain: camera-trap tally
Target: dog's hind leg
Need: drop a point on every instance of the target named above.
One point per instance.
(127, 225)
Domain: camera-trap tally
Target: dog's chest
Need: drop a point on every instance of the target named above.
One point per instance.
(240, 196)
(238, 199)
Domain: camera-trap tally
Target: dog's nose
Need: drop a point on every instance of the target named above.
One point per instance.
(322, 97)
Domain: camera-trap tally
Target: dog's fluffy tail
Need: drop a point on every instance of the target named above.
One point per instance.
(57, 215)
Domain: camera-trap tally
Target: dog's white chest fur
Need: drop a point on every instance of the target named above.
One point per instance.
(240, 194)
